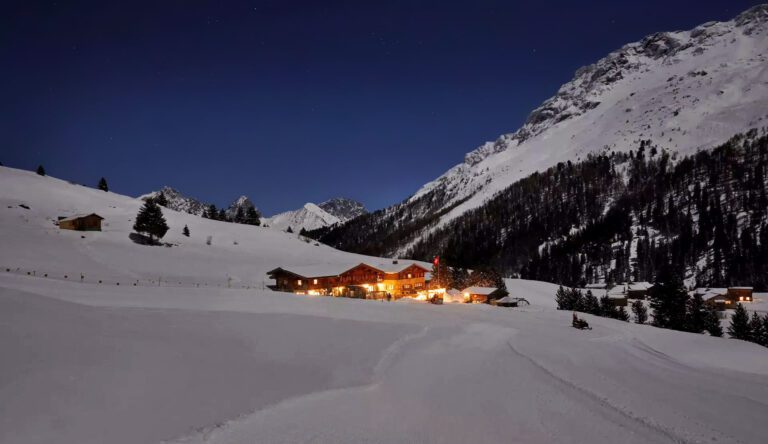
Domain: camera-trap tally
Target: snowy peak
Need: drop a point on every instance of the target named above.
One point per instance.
(343, 208)
(178, 201)
(312, 216)
(241, 203)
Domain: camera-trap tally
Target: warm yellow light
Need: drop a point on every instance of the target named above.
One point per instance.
(298, 282)
(314, 281)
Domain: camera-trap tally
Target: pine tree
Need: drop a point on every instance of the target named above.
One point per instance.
(740, 325)
(695, 316)
(211, 212)
(161, 200)
(713, 326)
(289, 230)
(185, 231)
(622, 315)
(40, 170)
(561, 297)
(103, 184)
(640, 312)
(252, 216)
(764, 340)
(668, 301)
(150, 221)
(591, 304)
(575, 299)
(756, 328)
(222, 216)
(607, 309)
(239, 216)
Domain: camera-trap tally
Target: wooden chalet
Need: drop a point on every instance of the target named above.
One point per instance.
(483, 295)
(81, 222)
(740, 294)
(364, 280)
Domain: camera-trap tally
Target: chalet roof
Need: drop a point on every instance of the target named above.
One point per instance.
(639, 285)
(80, 216)
(480, 290)
(316, 270)
(740, 288)
(325, 270)
(709, 293)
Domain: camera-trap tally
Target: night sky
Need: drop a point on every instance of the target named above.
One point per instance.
(292, 101)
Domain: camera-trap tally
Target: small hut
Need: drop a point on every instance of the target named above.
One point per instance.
(740, 294)
(81, 222)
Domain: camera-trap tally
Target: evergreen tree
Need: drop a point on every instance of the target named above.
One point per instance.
(239, 216)
(289, 230)
(606, 307)
(740, 325)
(756, 328)
(561, 297)
(40, 170)
(622, 315)
(695, 316)
(591, 304)
(211, 212)
(161, 200)
(222, 216)
(252, 216)
(103, 184)
(668, 301)
(303, 232)
(150, 221)
(713, 326)
(185, 231)
(640, 312)
(459, 278)
(764, 340)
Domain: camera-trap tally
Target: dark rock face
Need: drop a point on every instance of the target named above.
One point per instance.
(343, 208)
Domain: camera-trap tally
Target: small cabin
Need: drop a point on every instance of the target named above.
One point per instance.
(81, 222)
(483, 295)
(638, 290)
(740, 294)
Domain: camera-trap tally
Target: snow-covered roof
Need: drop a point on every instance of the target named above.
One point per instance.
(709, 293)
(78, 216)
(453, 291)
(740, 288)
(389, 267)
(639, 285)
(480, 290)
(319, 270)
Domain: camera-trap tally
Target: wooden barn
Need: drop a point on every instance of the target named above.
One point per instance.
(81, 222)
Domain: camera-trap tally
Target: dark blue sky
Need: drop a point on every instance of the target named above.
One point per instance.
(292, 101)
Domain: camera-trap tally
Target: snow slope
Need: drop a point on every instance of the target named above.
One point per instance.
(239, 255)
(683, 91)
(197, 365)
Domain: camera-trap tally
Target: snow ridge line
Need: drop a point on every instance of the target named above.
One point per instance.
(603, 402)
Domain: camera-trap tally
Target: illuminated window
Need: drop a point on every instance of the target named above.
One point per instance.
(298, 281)
(741, 298)
(409, 275)
(314, 281)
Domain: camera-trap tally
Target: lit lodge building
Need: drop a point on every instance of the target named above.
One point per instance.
(364, 280)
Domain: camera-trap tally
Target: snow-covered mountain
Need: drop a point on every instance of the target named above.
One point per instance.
(312, 216)
(242, 202)
(682, 91)
(343, 208)
(178, 201)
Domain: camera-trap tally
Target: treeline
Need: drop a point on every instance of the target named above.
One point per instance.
(446, 276)
(673, 308)
(704, 217)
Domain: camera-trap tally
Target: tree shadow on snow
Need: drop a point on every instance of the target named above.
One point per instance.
(144, 240)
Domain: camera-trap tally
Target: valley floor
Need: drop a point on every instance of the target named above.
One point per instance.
(83, 363)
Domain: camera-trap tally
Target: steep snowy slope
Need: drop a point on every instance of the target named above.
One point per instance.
(684, 90)
(681, 91)
(237, 254)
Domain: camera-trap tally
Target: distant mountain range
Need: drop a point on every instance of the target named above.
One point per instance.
(311, 216)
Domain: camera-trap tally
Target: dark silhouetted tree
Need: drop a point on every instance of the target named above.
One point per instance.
(185, 231)
(640, 312)
(739, 328)
(40, 170)
(103, 184)
(150, 221)
(161, 200)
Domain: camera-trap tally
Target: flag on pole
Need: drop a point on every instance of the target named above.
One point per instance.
(436, 261)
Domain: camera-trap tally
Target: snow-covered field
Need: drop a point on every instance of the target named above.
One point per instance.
(102, 363)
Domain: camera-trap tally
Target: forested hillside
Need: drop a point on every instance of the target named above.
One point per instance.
(612, 217)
